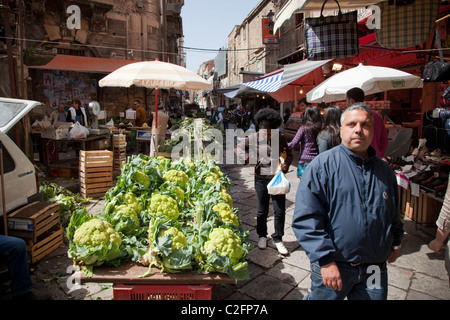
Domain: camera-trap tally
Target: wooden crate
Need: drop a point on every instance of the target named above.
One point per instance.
(119, 140)
(423, 209)
(39, 225)
(96, 173)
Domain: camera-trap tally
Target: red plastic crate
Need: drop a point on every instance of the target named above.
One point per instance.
(162, 292)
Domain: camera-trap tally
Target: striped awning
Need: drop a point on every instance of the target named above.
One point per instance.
(278, 79)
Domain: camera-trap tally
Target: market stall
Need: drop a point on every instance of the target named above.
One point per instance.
(166, 221)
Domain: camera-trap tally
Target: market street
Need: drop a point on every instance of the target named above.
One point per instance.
(418, 274)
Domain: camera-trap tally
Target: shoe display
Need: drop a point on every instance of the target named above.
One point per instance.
(262, 243)
(281, 248)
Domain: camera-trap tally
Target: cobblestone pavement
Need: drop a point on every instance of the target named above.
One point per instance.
(418, 274)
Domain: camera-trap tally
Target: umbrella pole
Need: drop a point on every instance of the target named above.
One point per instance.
(155, 138)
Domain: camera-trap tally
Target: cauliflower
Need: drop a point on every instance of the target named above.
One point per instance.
(225, 196)
(125, 218)
(163, 205)
(132, 200)
(190, 163)
(226, 214)
(176, 176)
(141, 178)
(178, 237)
(218, 171)
(101, 239)
(212, 178)
(226, 243)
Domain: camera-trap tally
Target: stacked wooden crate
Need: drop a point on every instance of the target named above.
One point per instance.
(39, 225)
(96, 173)
(120, 150)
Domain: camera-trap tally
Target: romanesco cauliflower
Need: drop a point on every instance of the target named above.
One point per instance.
(226, 242)
(178, 237)
(176, 176)
(141, 178)
(225, 196)
(212, 178)
(132, 200)
(226, 214)
(163, 205)
(125, 218)
(93, 234)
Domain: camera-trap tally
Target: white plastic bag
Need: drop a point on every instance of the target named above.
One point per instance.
(279, 184)
(78, 131)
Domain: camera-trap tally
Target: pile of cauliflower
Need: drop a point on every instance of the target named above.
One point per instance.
(175, 215)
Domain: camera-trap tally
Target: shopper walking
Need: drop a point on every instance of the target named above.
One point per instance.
(141, 114)
(330, 136)
(268, 120)
(241, 117)
(346, 215)
(306, 136)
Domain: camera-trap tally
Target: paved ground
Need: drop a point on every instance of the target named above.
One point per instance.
(418, 274)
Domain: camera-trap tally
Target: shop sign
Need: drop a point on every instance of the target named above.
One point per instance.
(268, 36)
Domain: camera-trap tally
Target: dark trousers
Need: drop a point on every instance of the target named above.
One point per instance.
(14, 251)
(279, 208)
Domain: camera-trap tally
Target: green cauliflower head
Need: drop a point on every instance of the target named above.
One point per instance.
(132, 201)
(178, 237)
(176, 176)
(226, 214)
(225, 196)
(163, 205)
(125, 218)
(93, 234)
(141, 178)
(212, 178)
(226, 242)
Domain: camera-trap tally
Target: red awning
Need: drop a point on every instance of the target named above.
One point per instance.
(83, 64)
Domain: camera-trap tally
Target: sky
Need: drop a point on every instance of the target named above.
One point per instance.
(207, 24)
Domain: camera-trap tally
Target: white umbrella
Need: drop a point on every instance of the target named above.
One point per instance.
(371, 79)
(155, 74)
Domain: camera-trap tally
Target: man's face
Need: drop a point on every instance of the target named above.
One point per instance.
(61, 108)
(357, 131)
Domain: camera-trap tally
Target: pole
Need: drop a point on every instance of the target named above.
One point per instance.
(5, 220)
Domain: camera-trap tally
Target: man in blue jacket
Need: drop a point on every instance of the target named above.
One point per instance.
(346, 215)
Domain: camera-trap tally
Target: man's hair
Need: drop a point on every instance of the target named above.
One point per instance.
(137, 101)
(356, 94)
(356, 106)
(269, 115)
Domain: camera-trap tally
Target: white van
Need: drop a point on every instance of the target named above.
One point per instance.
(21, 183)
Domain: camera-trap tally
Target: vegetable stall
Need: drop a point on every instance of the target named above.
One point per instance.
(165, 221)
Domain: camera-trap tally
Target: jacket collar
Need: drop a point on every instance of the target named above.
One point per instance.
(357, 159)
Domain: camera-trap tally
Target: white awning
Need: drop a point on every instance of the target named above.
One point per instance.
(292, 6)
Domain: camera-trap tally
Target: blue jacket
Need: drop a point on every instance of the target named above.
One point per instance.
(347, 208)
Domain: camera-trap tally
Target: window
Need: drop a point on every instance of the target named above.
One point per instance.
(8, 162)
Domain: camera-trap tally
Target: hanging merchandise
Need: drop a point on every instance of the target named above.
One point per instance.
(406, 23)
(332, 37)
(436, 70)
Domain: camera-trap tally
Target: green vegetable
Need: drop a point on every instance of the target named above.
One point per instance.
(212, 178)
(226, 243)
(226, 214)
(131, 200)
(162, 205)
(178, 238)
(125, 219)
(93, 242)
(141, 178)
(225, 196)
(176, 176)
